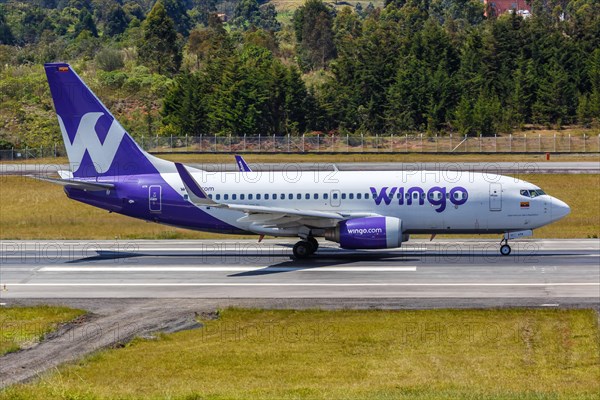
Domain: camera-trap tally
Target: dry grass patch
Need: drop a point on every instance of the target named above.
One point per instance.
(432, 354)
(24, 326)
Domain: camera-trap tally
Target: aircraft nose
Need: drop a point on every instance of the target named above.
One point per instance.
(560, 209)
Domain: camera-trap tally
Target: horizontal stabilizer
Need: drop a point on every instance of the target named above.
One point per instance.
(84, 185)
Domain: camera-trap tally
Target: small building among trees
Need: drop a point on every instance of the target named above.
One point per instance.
(499, 7)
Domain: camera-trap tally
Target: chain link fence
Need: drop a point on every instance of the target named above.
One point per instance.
(344, 144)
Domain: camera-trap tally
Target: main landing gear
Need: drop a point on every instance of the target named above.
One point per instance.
(505, 248)
(305, 248)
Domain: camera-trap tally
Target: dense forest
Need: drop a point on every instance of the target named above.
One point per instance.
(235, 67)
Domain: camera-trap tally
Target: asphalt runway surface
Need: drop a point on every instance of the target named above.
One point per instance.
(461, 273)
(558, 167)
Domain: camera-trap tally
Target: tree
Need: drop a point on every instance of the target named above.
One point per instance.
(117, 21)
(6, 36)
(176, 10)
(85, 23)
(313, 26)
(185, 108)
(159, 48)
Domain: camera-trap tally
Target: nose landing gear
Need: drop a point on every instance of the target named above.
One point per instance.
(504, 248)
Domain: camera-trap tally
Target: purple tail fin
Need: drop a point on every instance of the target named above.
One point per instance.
(97, 145)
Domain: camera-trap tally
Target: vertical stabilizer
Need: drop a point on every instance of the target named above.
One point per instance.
(96, 144)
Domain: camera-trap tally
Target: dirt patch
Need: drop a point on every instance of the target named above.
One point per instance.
(95, 331)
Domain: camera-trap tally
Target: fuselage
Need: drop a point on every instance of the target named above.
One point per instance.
(426, 201)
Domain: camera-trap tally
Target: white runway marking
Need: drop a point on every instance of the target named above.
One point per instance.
(308, 284)
(228, 269)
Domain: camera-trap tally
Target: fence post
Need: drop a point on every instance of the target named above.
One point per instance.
(525, 143)
(555, 142)
(392, 143)
(171, 143)
(480, 143)
(569, 142)
(421, 142)
(451, 143)
(495, 143)
(55, 155)
(539, 142)
(466, 144)
(376, 141)
(274, 144)
(318, 142)
(347, 144)
(244, 142)
(12, 152)
(288, 144)
(26, 152)
(186, 142)
(510, 143)
(406, 143)
(259, 142)
(362, 143)
(201, 136)
(584, 142)
(230, 142)
(303, 142)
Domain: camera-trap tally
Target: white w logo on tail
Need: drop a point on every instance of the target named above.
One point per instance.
(102, 154)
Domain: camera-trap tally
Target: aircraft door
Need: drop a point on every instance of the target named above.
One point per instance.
(495, 197)
(335, 198)
(155, 198)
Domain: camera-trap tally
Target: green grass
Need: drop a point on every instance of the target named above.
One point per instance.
(25, 326)
(432, 354)
(31, 209)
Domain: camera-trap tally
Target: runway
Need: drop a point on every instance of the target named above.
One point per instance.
(538, 272)
(554, 167)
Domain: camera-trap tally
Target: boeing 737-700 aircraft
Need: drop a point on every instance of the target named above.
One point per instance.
(358, 210)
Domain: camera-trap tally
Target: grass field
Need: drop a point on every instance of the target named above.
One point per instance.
(432, 354)
(24, 326)
(31, 209)
(342, 158)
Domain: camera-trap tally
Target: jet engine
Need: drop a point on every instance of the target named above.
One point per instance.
(368, 233)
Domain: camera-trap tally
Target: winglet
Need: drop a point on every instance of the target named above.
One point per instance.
(195, 191)
(242, 165)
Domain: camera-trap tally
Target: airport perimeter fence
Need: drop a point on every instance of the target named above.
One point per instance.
(344, 144)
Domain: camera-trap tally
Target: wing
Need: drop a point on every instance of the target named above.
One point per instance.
(84, 185)
(264, 216)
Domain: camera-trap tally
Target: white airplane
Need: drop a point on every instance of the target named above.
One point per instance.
(358, 210)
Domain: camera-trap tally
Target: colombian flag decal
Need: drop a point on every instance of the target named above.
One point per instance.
(63, 69)
(524, 204)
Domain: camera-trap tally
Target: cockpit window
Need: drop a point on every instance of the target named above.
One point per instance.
(532, 193)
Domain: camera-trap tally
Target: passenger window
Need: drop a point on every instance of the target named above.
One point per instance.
(366, 196)
(234, 197)
(359, 196)
(415, 195)
(210, 196)
(250, 196)
(325, 196)
(290, 196)
(307, 196)
(351, 196)
(266, 196)
(298, 196)
(335, 196)
(242, 196)
(455, 196)
(316, 196)
(274, 196)
(225, 197)
(282, 196)
(258, 196)
(447, 195)
(218, 197)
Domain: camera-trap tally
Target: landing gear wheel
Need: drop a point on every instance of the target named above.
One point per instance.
(302, 250)
(314, 244)
(505, 249)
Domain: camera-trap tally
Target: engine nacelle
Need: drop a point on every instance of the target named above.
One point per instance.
(368, 233)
